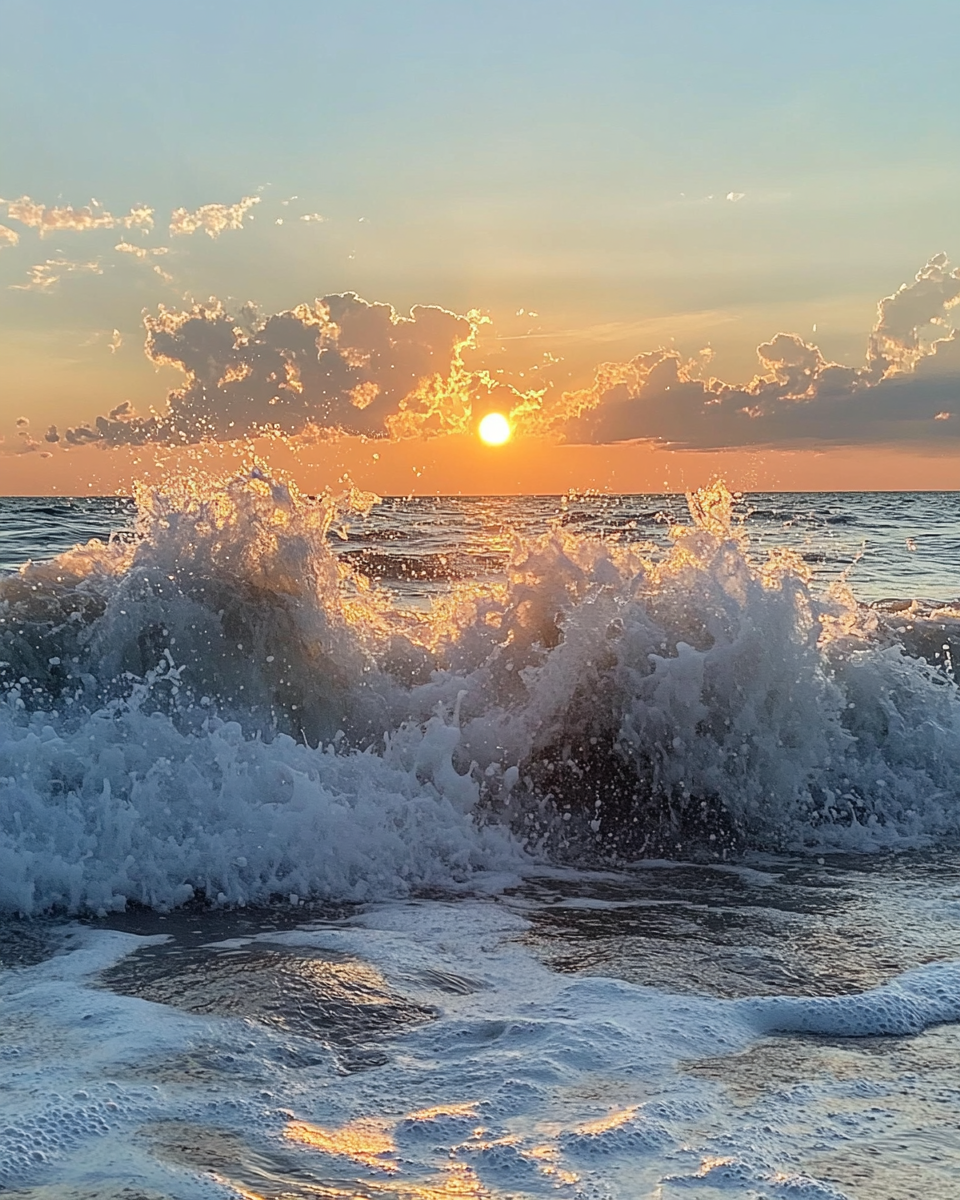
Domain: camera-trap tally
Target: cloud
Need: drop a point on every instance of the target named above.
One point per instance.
(339, 365)
(212, 219)
(144, 254)
(8, 237)
(343, 365)
(907, 391)
(46, 275)
(92, 216)
(897, 337)
(312, 217)
(26, 443)
(141, 252)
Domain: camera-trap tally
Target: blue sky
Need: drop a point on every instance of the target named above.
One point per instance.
(571, 158)
(550, 132)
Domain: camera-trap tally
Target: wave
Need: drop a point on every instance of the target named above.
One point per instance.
(430, 567)
(222, 706)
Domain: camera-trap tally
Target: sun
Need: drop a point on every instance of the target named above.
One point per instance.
(494, 429)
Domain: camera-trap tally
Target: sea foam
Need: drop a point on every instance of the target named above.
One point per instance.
(222, 706)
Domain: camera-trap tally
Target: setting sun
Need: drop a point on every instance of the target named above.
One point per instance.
(494, 429)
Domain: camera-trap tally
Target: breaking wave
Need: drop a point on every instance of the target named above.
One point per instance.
(220, 706)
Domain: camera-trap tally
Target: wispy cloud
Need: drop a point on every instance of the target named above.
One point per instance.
(79, 220)
(212, 219)
(144, 254)
(141, 252)
(8, 237)
(46, 275)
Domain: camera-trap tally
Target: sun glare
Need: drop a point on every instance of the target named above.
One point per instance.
(494, 429)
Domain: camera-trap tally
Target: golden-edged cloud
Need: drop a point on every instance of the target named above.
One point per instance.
(44, 276)
(8, 237)
(339, 365)
(141, 252)
(907, 390)
(49, 220)
(897, 338)
(144, 254)
(344, 365)
(211, 219)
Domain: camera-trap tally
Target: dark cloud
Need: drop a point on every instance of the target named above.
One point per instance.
(908, 389)
(26, 443)
(338, 365)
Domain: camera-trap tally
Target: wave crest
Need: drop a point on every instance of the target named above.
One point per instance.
(222, 703)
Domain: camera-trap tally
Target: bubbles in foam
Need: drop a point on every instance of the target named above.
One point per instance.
(63, 1124)
(630, 1131)
(536, 1083)
(732, 1174)
(927, 996)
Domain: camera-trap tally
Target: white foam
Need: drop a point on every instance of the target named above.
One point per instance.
(224, 707)
(153, 813)
(531, 1083)
(926, 996)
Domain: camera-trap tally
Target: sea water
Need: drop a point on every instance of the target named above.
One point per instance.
(434, 848)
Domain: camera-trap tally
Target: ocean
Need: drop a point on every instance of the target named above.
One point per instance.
(464, 848)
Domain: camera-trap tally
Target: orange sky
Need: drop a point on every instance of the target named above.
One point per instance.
(462, 465)
(599, 184)
(76, 385)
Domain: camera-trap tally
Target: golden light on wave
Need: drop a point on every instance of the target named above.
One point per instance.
(494, 429)
(612, 1120)
(369, 1142)
(468, 1109)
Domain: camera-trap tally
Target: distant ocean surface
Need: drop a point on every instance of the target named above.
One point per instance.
(891, 544)
(464, 848)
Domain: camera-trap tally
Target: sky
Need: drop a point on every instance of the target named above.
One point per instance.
(668, 241)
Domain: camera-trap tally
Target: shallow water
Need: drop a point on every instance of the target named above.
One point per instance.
(273, 957)
(577, 1033)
